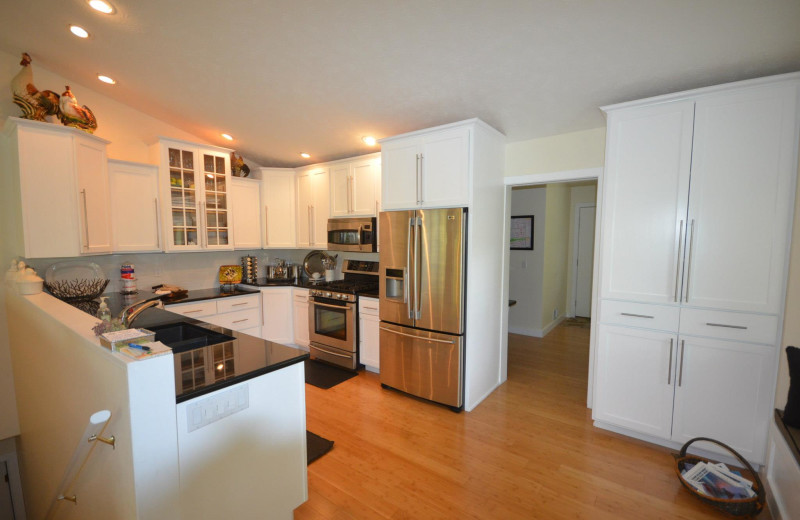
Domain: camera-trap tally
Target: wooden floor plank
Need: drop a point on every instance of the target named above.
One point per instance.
(528, 451)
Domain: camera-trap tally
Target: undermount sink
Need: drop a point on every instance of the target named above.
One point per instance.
(185, 336)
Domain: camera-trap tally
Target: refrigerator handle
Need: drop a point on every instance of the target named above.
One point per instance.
(417, 283)
(406, 280)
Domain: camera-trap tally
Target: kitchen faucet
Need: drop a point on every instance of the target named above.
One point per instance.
(133, 310)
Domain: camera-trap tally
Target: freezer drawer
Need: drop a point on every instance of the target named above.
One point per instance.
(422, 363)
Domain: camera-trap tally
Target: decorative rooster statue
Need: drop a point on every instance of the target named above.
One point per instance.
(75, 115)
(238, 167)
(35, 104)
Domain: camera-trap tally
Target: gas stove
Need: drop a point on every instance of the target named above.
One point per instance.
(359, 276)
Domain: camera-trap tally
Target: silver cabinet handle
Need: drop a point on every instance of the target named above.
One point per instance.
(407, 269)
(329, 352)
(741, 327)
(669, 369)
(310, 242)
(418, 337)
(201, 231)
(238, 304)
(419, 159)
(85, 221)
(689, 266)
(158, 225)
(266, 225)
(350, 194)
(419, 183)
(637, 315)
(345, 308)
(240, 321)
(678, 261)
(417, 281)
(371, 308)
(683, 350)
(192, 312)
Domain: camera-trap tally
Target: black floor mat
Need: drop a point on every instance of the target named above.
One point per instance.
(325, 376)
(316, 446)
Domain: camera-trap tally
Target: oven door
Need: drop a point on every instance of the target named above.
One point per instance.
(332, 323)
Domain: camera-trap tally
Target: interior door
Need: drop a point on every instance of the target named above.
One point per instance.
(395, 282)
(583, 268)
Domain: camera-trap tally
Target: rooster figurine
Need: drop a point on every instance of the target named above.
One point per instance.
(35, 104)
(75, 115)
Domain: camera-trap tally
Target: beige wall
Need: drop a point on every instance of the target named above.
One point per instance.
(556, 246)
(573, 151)
(791, 321)
(580, 193)
(526, 268)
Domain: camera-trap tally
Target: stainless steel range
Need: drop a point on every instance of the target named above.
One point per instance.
(333, 313)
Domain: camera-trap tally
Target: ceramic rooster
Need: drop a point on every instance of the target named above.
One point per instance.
(75, 115)
(35, 104)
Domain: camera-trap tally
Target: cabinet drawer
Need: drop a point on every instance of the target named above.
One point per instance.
(658, 317)
(239, 320)
(237, 303)
(739, 326)
(300, 295)
(194, 310)
(368, 307)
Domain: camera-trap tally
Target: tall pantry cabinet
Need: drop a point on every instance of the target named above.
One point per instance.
(698, 194)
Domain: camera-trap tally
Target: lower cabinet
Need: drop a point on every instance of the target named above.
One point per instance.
(677, 387)
(369, 352)
(276, 308)
(300, 315)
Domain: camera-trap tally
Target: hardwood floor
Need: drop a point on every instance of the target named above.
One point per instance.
(528, 451)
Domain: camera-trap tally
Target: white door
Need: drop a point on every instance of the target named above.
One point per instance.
(635, 374)
(94, 209)
(723, 391)
(278, 195)
(320, 209)
(341, 190)
(645, 199)
(740, 199)
(364, 185)
(400, 163)
(134, 191)
(585, 257)
(245, 195)
(445, 169)
(300, 316)
(277, 307)
(304, 201)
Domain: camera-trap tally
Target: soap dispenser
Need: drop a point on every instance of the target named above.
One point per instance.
(103, 312)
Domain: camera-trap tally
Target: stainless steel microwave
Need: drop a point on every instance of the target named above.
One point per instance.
(352, 234)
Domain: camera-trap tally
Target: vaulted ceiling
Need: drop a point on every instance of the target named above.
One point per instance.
(316, 76)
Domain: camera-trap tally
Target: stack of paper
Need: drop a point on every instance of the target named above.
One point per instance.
(717, 480)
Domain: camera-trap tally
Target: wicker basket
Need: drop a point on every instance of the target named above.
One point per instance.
(733, 507)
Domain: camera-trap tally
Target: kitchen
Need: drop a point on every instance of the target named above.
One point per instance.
(134, 150)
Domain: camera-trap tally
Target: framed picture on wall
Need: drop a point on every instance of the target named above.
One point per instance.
(522, 232)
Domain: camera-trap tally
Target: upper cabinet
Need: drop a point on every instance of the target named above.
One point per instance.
(195, 183)
(428, 169)
(245, 195)
(686, 182)
(57, 190)
(278, 196)
(313, 210)
(135, 208)
(355, 186)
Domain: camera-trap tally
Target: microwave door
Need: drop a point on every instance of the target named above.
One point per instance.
(396, 267)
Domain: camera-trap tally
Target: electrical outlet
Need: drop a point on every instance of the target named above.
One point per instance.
(555, 313)
(524, 264)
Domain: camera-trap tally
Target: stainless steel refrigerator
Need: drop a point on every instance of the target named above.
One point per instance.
(422, 305)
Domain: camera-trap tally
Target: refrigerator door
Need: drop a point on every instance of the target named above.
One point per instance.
(396, 244)
(422, 363)
(439, 270)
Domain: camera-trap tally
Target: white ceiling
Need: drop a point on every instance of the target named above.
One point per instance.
(315, 76)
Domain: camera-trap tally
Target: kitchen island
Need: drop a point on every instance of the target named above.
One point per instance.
(235, 446)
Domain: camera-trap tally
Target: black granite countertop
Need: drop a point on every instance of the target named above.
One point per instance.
(204, 369)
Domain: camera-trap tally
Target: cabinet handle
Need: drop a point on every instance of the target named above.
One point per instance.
(678, 261)
(350, 194)
(741, 327)
(419, 175)
(192, 312)
(309, 224)
(669, 367)
(371, 308)
(680, 374)
(637, 315)
(266, 225)
(313, 230)
(689, 267)
(158, 225)
(85, 221)
(203, 223)
(240, 321)
(418, 157)
(452, 342)
(237, 304)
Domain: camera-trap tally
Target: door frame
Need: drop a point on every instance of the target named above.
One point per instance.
(574, 267)
(584, 174)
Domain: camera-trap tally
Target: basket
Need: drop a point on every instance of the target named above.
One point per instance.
(733, 507)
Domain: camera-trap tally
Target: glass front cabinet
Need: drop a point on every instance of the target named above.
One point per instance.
(195, 180)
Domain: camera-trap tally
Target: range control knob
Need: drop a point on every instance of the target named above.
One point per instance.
(327, 294)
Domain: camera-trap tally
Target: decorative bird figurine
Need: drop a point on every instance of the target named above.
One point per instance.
(35, 104)
(75, 115)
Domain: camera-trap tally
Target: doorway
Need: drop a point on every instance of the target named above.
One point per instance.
(583, 259)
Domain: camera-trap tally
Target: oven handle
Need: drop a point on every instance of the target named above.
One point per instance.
(331, 353)
(452, 342)
(348, 306)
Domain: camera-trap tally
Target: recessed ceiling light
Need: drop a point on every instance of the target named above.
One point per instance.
(369, 140)
(100, 5)
(106, 79)
(227, 136)
(78, 31)
(304, 155)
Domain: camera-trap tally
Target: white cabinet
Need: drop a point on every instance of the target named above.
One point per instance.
(369, 353)
(300, 316)
(427, 169)
(135, 209)
(245, 196)
(276, 308)
(313, 207)
(240, 313)
(355, 186)
(195, 182)
(278, 195)
(60, 176)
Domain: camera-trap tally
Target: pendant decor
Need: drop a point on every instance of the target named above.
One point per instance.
(238, 167)
(72, 114)
(35, 103)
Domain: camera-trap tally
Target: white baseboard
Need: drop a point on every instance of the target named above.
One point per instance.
(536, 333)
(553, 324)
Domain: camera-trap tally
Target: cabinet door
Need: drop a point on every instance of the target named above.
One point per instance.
(444, 175)
(723, 391)
(341, 190)
(216, 205)
(185, 189)
(305, 195)
(400, 164)
(300, 316)
(740, 202)
(277, 307)
(635, 372)
(648, 157)
(91, 166)
(135, 211)
(320, 209)
(278, 194)
(369, 353)
(364, 186)
(245, 195)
